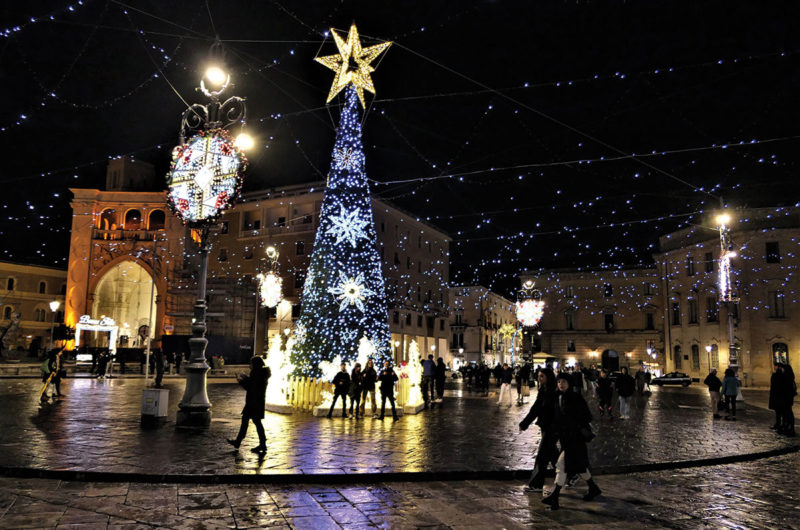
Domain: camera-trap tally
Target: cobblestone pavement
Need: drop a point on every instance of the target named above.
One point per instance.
(761, 494)
(96, 428)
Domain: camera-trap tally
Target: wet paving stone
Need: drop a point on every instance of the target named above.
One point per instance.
(739, 495)
(97, 429)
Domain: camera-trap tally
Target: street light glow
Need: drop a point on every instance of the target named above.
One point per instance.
(244, 142)
(216, 75)
(723, 219)
(54, 305)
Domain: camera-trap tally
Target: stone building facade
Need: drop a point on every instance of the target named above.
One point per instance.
(26, 292)
(477, 316)
(126, 256)
(765, 279)
(604, 318)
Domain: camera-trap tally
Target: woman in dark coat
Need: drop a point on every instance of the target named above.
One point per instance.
(790, 391)
(439, 376)
(356, 386)
(571, 418)
(542, 411)
(604, 393)
(776, 397)
(254, 403)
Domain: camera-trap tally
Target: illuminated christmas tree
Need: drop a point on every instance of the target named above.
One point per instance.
(344, 296)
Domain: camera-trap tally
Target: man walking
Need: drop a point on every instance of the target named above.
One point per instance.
(625, 389)
(506, 375)
(714, 384)
(387, 379)
(428, 372)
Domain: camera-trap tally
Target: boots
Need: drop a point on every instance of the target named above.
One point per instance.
(260, 448)
(552, 499)
(593, 492)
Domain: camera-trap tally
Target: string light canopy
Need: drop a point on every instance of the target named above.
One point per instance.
(352, 64)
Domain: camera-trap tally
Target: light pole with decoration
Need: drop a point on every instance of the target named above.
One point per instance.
(205, 179)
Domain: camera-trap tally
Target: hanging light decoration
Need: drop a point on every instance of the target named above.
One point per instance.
(530, 306)
(270, 285)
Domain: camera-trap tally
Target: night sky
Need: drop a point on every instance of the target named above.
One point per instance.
(503, 118)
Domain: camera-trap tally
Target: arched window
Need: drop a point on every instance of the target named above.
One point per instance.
(39, 315)
(780, 353)
(108, 220)
(7, 312)
(695, 357)
(133, 220)
(10, 284)
(42, 287)
(156, 221)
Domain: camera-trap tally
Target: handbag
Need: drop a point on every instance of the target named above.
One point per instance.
(587, 433)
(526, 391)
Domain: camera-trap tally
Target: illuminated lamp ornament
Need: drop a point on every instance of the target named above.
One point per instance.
(205, 177)
(344, 293)
(529, 312)
(529, 306)
(413, 372)
(270, 289)
(280, 365)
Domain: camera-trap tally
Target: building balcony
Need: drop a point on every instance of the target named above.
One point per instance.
(297, 228)
(125, 235)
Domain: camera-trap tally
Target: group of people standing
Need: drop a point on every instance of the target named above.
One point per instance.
(434, 375)
(358, 384)
(723, 393)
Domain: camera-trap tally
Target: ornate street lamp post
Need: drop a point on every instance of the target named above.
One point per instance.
(529, 308)
(205, 179)
(726, 293)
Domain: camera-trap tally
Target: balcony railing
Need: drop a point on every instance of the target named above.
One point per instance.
(122, 235)
(296, 228)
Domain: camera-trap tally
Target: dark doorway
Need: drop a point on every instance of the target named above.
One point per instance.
(610, 360)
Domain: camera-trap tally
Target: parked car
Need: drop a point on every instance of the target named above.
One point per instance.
(672, 378)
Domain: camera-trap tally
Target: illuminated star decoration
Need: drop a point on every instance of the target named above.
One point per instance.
(347, 227)
(352, 64)
(347, 158)
(351, 291)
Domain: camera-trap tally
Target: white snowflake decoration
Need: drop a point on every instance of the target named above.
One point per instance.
(351, 291)
(347, 227)
(347, 158)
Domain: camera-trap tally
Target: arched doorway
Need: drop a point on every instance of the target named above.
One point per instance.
(610, 359)
(124, 293)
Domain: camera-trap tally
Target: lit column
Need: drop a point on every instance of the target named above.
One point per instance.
(725, 284)
(54, 305)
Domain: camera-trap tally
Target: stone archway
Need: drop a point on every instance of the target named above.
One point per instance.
(124, 293)
(610, 359)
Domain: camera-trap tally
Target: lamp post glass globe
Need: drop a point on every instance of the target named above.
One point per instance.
(271, 252)
(244, 141)
(216, 75)
(723, 219)
(54, 305)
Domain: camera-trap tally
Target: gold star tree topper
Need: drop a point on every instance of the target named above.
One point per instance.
(352, 64)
